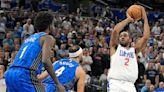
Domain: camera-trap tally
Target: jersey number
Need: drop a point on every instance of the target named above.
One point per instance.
(59, 71)
(126, 61)
(23, 51)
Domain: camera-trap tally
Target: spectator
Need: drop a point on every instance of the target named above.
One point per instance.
(141, 71)
(69, 43)
(152, 74)
(86, 60)
(8, 40)
(103, 76)
(66, 24)
(105, 59)
(2, 35)
(2, 80)
(87, 41)
(34, 5)
(2, 60)
(99, 29)
(10, 60)
(145, 88)
(150, 53)
(80, 41)
(102, 42)
(17, 47)
(2, 70)
(17, 41)
(87, 77)
(151, 88)
(108, 13)
(97, 62)
(10, 21)
(151, 40)
(28, 28)
(161, 75)
(3, 19)
(63, 10)
(156, 29)
(5, 4)
(161, 87)
(18, 30)
(62, 52)
(63, 38)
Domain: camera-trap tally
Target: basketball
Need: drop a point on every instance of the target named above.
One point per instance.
(135, 12)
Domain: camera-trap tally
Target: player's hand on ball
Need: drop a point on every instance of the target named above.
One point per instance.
(144, 16)
(130, 19)
(60, 88)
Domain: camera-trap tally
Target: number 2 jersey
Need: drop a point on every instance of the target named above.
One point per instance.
(30, 54)
(124, 65)
(65, 70)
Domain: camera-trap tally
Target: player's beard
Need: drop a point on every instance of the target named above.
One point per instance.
(124, 44)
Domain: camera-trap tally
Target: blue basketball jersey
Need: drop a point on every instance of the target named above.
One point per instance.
(30, 54)
(65, 70)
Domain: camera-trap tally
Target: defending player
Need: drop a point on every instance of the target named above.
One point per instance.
(68, 72)
(124, 69)
(34, 53)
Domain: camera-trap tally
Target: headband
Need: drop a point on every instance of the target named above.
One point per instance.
(77, 53)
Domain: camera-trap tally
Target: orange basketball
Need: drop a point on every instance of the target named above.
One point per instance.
(135, 12)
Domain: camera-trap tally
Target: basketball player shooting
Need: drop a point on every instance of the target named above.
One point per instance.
(124, 69)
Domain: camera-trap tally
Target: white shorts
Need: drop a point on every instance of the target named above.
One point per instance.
(120, 86)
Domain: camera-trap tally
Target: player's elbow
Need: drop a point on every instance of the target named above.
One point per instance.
(146, 38)
(45, 61)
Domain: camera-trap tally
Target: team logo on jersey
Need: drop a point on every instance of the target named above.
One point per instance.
(126, 54)
(32, 39)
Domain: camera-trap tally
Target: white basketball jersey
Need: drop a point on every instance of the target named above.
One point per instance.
(124, 65)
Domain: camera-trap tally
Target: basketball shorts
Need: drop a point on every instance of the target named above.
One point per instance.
(120, 86)
(50, 87)
(21, 80)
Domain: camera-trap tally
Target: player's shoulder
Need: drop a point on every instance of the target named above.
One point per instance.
(47, 37)
(80, 72)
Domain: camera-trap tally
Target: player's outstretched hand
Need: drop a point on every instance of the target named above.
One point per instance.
(60, 88)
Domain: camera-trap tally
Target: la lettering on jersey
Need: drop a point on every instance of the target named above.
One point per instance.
(126, 54)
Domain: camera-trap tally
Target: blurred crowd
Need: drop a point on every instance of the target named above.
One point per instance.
(92, 33)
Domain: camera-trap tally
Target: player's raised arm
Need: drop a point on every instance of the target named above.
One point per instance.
(146, 34)
(115, 34)
(46, 56)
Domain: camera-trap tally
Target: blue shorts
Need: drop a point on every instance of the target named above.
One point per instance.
(22, 80)
(50, 87)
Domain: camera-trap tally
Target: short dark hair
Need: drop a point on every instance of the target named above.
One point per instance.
(74, 48)
(130, 36)
(43, 20)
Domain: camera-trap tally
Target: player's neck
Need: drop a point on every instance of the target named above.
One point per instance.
(75, 59)
(127, 47)
(47, 31)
